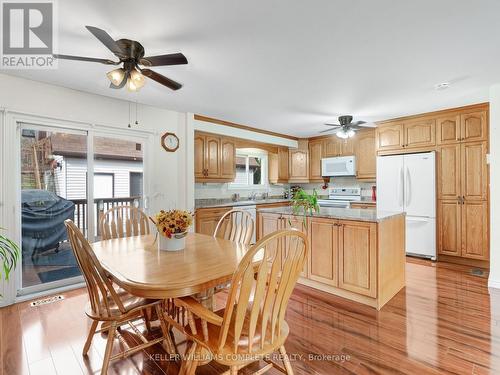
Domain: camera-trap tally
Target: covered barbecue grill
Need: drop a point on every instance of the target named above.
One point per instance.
(43, 215)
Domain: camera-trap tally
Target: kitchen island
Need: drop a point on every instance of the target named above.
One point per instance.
(356, 254)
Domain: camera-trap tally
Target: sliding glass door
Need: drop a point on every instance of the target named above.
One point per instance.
(61, 171)
(52, 190)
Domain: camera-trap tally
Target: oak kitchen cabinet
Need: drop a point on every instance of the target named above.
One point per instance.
(206, 219)
(457, 127)
(299, 162)
(366, 158)
(283, 165)
(358, 260)
(463, 200)
(408, 135)
(335, 146)
(214, 158)
(315, 154)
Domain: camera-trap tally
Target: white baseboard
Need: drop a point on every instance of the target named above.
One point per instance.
(493, 283)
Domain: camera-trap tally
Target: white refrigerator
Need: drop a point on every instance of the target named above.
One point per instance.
(407, 183)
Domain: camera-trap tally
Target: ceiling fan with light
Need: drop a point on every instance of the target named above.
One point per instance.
(346, 128)
(131, 54)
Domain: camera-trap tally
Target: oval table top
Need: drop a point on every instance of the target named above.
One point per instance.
(140, 268)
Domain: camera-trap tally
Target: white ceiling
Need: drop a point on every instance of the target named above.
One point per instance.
(289, 66)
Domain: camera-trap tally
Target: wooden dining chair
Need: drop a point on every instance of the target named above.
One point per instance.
(252, 325)
(236, 226)
(123, 221)
(113, 307)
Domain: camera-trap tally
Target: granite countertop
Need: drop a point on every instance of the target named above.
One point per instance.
(355, 214)
(213, 203)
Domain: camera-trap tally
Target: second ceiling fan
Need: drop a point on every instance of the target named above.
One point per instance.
(346, 128)
(131, 54)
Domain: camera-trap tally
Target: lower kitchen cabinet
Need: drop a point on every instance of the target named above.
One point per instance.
(463, 229)
(323, 259)
(358, 260)
(358, 257)
(206, 219)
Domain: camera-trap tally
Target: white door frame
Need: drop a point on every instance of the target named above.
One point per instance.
(10, 195)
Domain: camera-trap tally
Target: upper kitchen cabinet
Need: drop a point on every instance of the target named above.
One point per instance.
(448, 129)
(332, 147)
(366, 161)
(283, 162)
(347, 146)
(299, 163)
(315, 155)
(214, 158)
(389, 137)
(420, 133)
(474, 126)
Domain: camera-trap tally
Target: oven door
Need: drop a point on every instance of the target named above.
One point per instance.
(333, 203)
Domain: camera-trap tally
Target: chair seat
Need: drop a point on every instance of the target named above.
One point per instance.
(130, 302)
(226, 355)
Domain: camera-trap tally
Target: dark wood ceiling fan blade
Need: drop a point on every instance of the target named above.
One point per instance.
(161, 79)
(106, 39)
(161, 60)
(83, 58)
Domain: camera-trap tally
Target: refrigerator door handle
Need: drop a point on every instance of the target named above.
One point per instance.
(408, 187)
(400, 187)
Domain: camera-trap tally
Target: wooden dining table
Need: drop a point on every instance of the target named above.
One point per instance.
(136, 264)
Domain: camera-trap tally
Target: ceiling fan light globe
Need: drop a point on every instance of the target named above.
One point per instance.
(131, 86)
(342, 134)
(137, 78)
(350, 133)
(116, 76)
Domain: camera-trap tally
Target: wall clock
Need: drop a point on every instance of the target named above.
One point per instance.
(170, 142)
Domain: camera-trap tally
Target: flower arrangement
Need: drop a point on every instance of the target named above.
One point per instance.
(170, 223)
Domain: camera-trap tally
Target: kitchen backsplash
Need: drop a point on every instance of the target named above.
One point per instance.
(366, 187)
(210, 190)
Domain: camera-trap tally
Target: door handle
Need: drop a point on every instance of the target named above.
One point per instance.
(408, 187)
(400, 187)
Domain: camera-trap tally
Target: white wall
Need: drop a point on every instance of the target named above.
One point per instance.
(494, 279)
(170, 173)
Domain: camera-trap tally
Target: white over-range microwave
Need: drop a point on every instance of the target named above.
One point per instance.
(339, 166)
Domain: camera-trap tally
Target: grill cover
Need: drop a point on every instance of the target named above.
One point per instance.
(43, 215)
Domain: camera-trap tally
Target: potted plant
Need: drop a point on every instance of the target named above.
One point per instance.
(172, 229)
(303, 203)
(9, 254)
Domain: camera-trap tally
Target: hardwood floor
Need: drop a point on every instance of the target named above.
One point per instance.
(444, 322)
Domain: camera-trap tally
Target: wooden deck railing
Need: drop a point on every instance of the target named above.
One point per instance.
(101, 205)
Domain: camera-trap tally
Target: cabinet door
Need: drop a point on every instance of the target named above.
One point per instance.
(207, 219)
(475, 230)
(474, 126)
(347, 147)
(366, 159)
(448, 129)
(282, 164)
(299, 166)
(389, 137)
(228, 159)
(449, 227)
(199, 156)
(420, 134)
(331, 147)
(323, 254)
(315, 153)
(474, 174)
(269, 223)
(449, 185)
(212, 156)
(358, 258)
(272, 168)
(295, 222)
